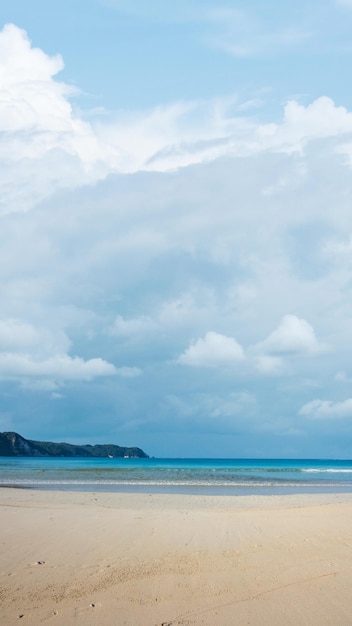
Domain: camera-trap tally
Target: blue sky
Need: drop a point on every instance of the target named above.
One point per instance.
(176, 228)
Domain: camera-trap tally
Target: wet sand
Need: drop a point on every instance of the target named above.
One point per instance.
(143, 559)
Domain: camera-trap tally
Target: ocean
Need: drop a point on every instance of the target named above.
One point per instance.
(193, 476)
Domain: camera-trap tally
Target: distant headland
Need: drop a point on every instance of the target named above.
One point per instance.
(12, 444)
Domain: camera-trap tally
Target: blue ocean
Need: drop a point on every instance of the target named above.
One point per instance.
(195, 476)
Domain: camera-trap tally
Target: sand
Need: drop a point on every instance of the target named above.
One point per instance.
(139, 559)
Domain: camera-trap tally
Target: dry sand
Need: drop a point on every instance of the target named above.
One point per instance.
(139, 559)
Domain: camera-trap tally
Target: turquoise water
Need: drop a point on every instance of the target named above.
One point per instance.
(213, 476)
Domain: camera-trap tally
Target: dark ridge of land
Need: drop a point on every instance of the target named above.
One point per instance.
(13, 444)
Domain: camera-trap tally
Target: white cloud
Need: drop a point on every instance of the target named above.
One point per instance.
(60, 367)
(45, 145)
(321, 118)
(186, 133)
(326, 409)
(214, 350)
(23, 70)
(38, 357)
(18, 335)
(293, 336)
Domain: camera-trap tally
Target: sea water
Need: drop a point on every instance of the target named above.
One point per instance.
(202, 476)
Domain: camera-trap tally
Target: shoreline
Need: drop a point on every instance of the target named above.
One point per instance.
(72, 557)
(185, 489)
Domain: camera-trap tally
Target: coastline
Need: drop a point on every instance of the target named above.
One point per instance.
(151, 559)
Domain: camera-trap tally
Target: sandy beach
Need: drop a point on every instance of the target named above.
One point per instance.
(156, 559)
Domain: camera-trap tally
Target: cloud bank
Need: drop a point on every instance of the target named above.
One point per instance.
(48, 145)
(191, 261)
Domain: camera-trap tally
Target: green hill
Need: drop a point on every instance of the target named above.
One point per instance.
(12, 444)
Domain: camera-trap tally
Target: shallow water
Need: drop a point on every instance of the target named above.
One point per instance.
(212, 476)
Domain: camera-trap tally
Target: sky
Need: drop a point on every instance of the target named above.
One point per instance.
(176, 225)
